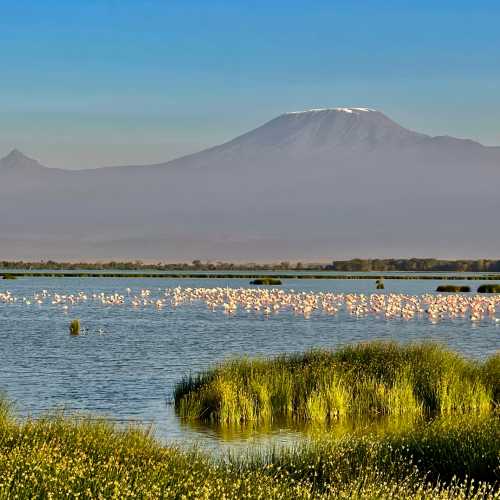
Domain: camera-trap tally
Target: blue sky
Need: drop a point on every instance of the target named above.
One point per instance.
(96, 82)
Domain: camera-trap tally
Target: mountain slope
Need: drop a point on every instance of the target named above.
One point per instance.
(314, 184)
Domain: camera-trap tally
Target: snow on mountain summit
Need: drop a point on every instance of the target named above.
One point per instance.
(326, 130)
(342, 110)
(339, 179)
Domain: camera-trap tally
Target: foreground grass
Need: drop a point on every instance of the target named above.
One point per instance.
(322, 386)
(61, 458)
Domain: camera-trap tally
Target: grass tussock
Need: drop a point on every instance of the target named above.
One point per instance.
(74, 327)
(322, 386)
(60, 458)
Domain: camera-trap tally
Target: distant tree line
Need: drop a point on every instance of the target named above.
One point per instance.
(195, 265)
(365, 265)
(422, 265)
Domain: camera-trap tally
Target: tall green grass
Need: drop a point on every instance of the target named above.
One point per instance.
(322, 386)
(68, 458)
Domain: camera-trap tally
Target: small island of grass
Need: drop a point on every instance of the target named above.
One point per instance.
(494, 288)
(266, 281)
(323, 386)
(453, 288)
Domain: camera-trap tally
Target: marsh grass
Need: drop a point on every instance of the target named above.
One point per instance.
(445, 448)
(323, 386)
(5, 409)
(56, 457)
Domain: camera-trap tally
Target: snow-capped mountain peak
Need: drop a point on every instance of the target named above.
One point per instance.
(342, 110)
(340, 180)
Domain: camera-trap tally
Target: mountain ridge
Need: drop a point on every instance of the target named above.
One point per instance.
(342, 182)
(18, 156)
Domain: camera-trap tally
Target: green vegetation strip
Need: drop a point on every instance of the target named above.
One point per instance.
(323, 386)
(201, 275)
(56, 457)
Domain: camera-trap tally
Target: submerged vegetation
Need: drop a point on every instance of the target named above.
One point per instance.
(453, 288)
(322, 386)
(56, 457)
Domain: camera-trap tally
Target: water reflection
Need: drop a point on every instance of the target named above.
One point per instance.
(286, 431)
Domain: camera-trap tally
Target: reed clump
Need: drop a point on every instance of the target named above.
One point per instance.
(74, 327)
(56, 457)
(322, 386)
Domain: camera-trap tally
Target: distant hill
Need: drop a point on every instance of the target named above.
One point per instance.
(311, 185)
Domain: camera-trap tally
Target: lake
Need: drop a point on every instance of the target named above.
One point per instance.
(127, 364)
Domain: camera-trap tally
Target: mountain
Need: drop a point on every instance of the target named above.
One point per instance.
(317, 184)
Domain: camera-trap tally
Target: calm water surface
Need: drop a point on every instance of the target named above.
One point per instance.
(129, 371)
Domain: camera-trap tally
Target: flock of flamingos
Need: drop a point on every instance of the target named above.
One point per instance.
(270, 301)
